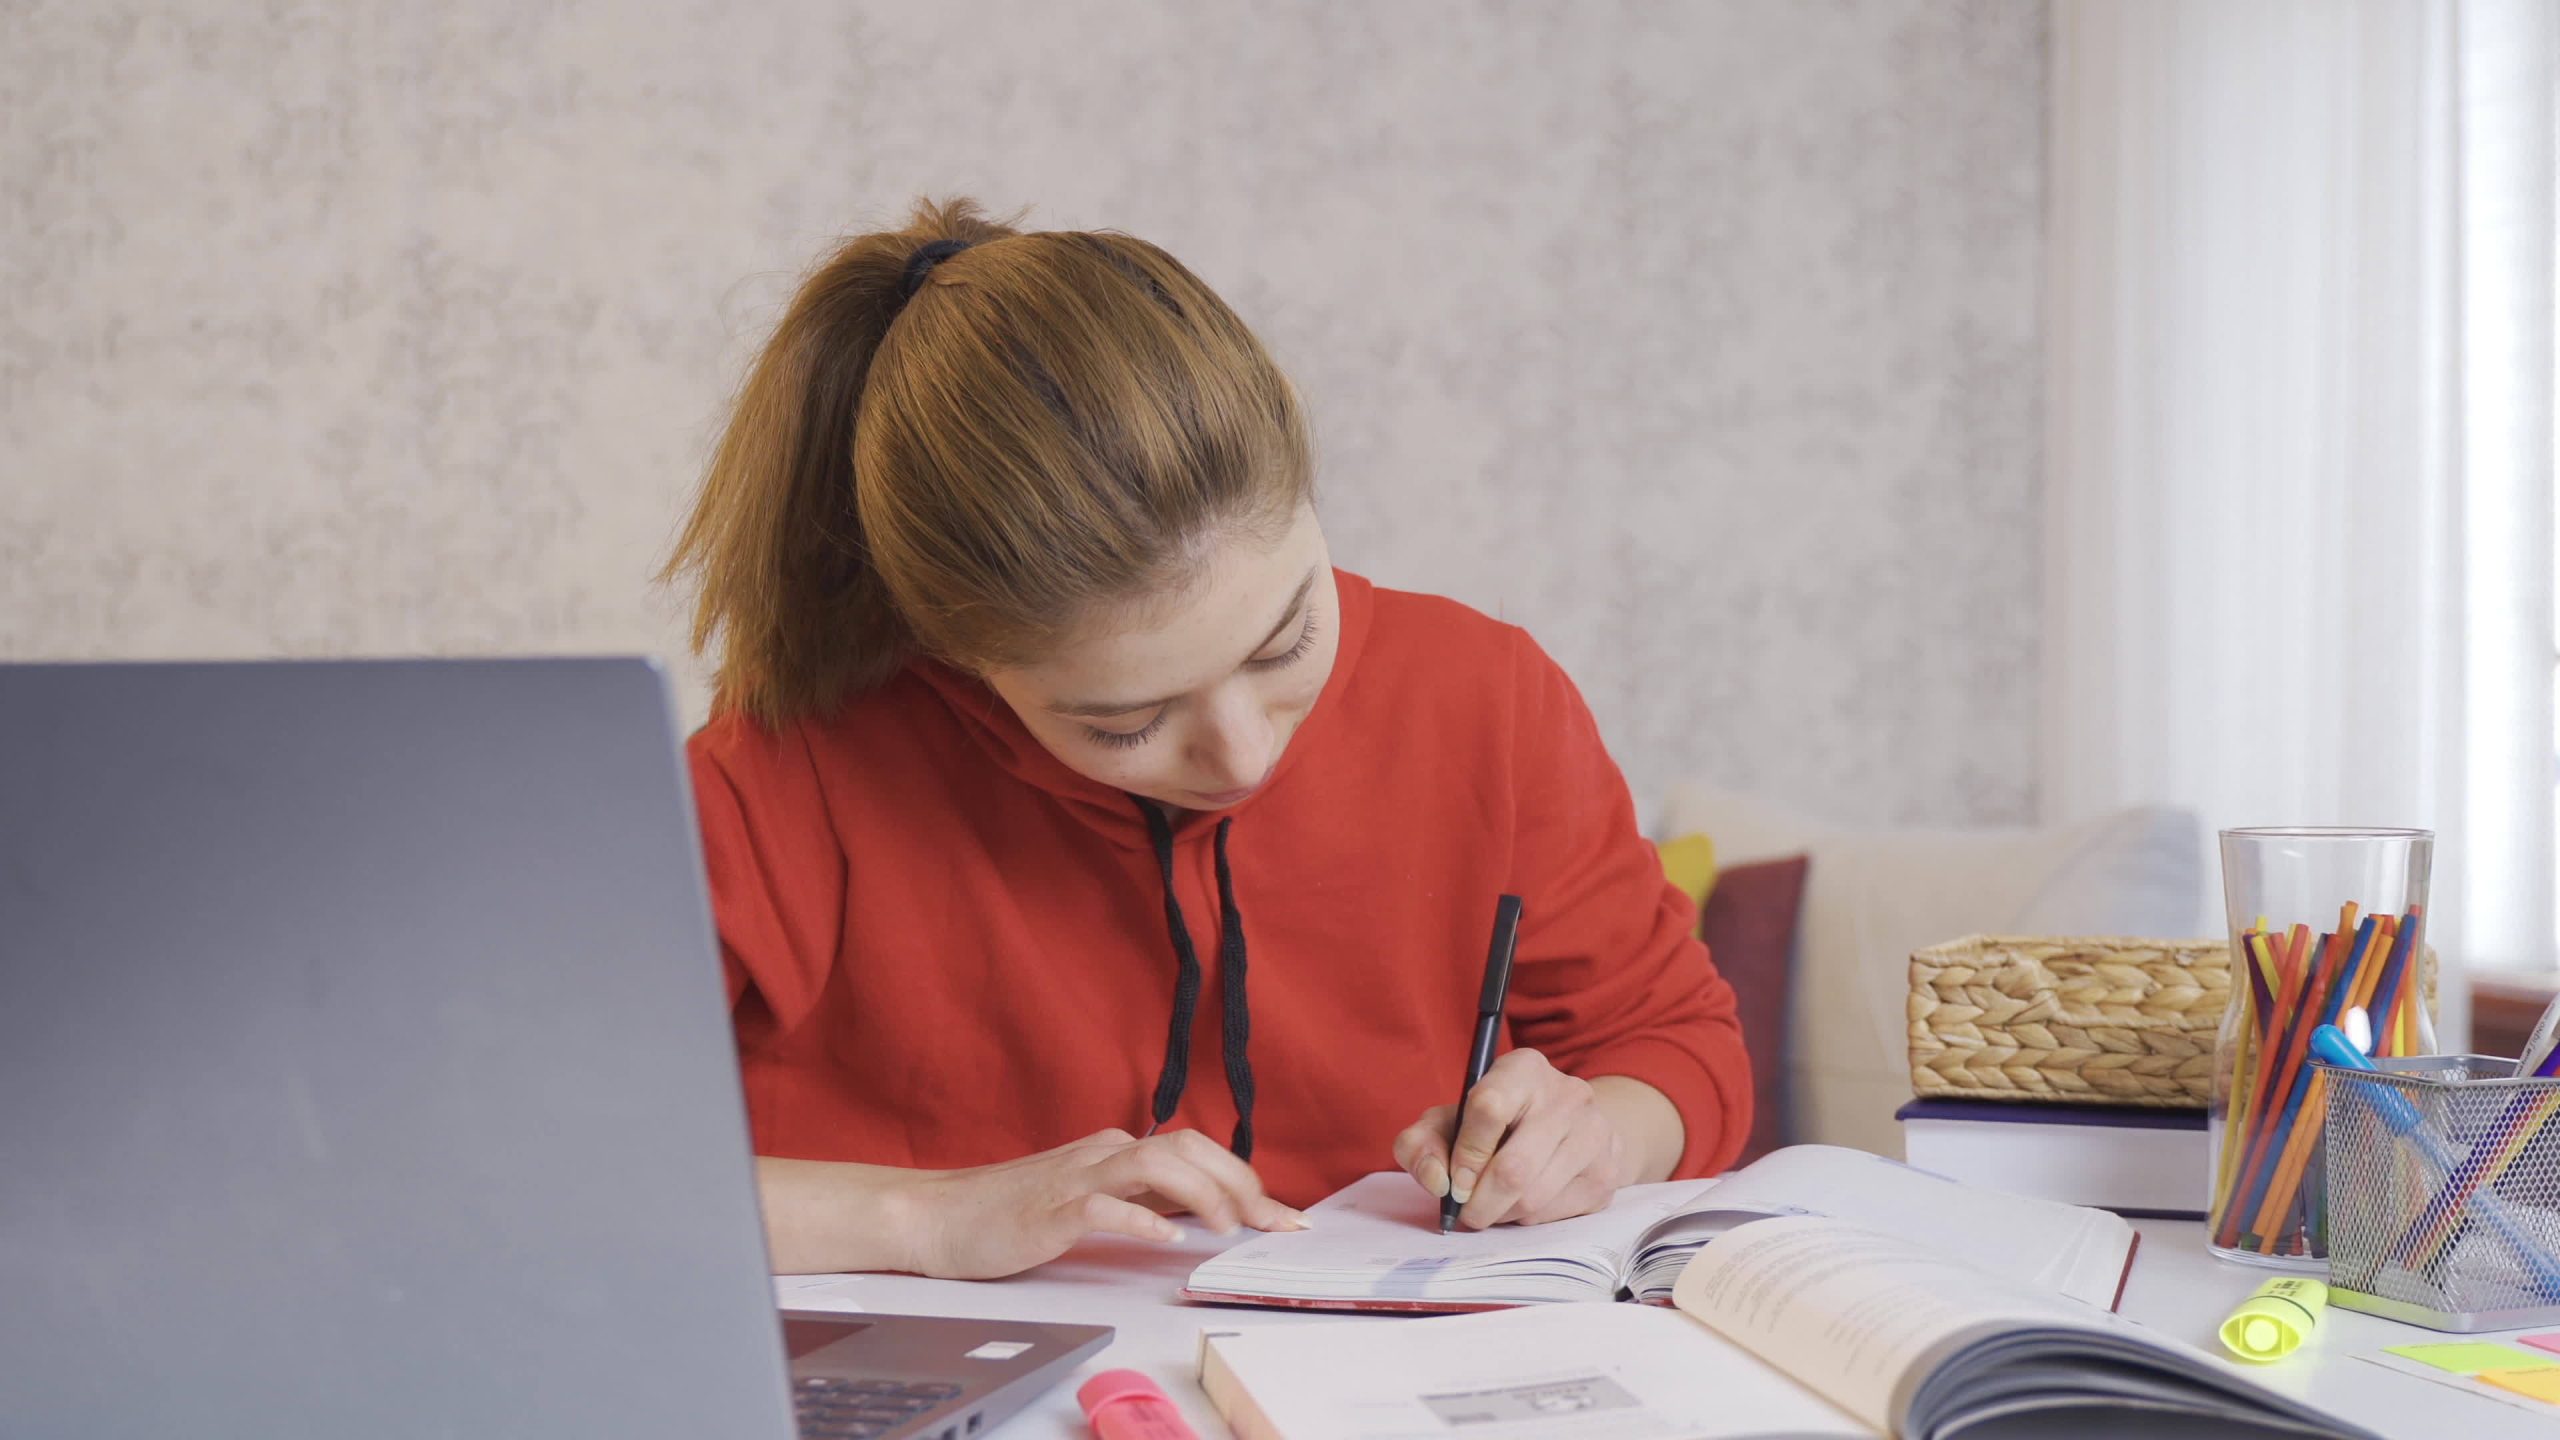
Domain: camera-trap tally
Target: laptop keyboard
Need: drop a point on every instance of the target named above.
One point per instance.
(832, 1409)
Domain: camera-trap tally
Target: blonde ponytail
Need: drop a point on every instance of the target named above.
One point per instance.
(960, 439)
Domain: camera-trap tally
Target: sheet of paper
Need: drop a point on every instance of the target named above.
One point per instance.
(1849, 1312)
(2542, 1385)
(1380, 1237)
(1580, 1372)
(2472, 1358)
(2468, 1384)
(2550, 1342)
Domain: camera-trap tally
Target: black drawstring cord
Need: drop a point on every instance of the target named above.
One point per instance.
(1186, 984)
(1235, 1029)
(1236, 1022)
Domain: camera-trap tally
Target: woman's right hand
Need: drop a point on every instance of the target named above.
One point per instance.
(993, 1220)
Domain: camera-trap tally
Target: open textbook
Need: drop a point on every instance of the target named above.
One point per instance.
(1787, 1329)
(1377, 1244)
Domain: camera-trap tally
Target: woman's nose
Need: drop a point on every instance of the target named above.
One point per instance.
(1235, 748)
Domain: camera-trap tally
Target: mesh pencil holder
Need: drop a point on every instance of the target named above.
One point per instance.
(2443, 1201)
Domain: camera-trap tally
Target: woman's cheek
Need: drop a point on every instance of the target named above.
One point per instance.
(1304, 691)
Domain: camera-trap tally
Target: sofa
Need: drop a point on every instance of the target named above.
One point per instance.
(1825, 1016)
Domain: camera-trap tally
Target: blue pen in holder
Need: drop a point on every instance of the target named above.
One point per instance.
(2443, 1196)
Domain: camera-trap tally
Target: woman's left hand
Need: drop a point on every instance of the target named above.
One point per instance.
(1538, 1146)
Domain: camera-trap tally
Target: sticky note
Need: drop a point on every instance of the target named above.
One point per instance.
(2473, 1359)
(2549, 1342)
(2542, 1384)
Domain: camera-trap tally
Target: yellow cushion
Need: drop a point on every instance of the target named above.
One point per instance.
(1689, 861)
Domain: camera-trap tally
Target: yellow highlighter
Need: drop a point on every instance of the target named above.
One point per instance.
(2274, 1322)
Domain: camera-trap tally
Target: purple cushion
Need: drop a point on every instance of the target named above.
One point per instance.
(1749, 925)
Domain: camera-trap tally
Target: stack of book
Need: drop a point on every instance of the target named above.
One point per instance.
(2142, 1162)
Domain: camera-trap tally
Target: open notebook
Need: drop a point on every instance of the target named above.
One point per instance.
(1377, 1244)
(1790, 1328)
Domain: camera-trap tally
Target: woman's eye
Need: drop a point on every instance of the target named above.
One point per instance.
(1306, 642)
(1123, 739)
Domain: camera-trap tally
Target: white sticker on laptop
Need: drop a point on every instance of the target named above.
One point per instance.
(1000, 1349)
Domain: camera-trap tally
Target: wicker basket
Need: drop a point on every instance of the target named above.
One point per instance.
(2087, 1021)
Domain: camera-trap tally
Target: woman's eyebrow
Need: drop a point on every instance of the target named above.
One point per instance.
(1296, 600)
(1106, 709)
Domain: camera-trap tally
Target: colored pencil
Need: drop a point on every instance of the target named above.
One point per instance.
(2356, 983)
(2276, 1109)
(2291, 1136)
(2254, 1008)
(2254, 1071)
(2281, 1101)
(2399, 977)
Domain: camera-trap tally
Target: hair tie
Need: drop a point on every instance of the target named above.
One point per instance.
(921, 263)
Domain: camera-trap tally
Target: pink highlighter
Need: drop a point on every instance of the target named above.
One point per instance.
(1125, 1405)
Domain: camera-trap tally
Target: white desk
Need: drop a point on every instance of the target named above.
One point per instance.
(2177, 1288)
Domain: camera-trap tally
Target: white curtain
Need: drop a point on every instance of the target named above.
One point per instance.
(2300, 414)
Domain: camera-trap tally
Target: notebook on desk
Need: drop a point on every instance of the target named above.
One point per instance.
(1377, 1246)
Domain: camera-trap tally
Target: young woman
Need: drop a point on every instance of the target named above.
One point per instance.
(1065, 808)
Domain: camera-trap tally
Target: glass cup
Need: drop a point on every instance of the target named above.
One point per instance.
(2323, 922)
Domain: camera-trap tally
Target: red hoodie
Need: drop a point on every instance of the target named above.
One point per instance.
(945, 948)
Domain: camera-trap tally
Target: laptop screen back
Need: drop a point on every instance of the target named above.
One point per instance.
(364, 1066)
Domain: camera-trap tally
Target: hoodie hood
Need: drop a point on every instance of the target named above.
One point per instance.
(1132, 822)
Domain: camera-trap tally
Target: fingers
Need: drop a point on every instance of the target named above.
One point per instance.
(1532, 1148)
(1555, 1158)
(1577, 1180)
(1237, 1179)
(1495, 1104)
(1197, 1174)
(1054, 1230)
(1147, 1168)
(1100, 1214)
(1219, 1163)
(1001, 1219)
(1422, 1148)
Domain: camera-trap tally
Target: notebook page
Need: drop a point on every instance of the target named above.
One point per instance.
(2065, 1248)
(1380, 1239)
(1856, 1316)
(1578, 1372)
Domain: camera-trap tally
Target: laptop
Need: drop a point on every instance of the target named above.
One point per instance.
(365, 1068)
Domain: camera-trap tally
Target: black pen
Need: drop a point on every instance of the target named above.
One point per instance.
(1497, 985)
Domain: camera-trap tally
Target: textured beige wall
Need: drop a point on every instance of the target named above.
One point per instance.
(1698, 337)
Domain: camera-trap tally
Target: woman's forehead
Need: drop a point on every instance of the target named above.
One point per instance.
(1245, 592)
